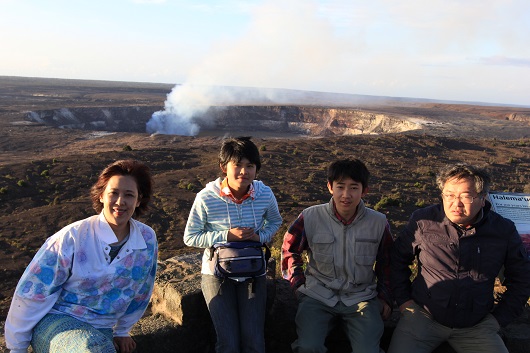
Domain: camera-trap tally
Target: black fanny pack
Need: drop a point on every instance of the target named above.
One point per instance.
(239, 259)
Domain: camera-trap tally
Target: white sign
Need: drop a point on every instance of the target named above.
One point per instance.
(516, 207)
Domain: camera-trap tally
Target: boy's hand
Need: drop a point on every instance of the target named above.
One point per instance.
(242, 234)
(386, 311)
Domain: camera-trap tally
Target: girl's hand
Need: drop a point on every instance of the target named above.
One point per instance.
(242, 234)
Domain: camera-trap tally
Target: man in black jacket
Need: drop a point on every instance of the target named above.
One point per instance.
(461, 245)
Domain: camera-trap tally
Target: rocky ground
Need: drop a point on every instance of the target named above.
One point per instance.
(46, 173)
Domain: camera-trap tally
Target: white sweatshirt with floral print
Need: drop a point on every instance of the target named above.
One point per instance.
(73, 274)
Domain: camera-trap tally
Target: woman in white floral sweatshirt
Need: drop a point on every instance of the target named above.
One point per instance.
(91, 281)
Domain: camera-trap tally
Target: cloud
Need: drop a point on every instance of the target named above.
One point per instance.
(505, 61)
(149, 1)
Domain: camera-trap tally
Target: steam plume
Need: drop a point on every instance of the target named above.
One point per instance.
(264, 56)
(187, 104)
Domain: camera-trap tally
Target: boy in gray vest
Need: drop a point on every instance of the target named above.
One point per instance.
(343, 240)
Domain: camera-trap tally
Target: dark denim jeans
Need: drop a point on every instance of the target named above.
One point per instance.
(237, 310)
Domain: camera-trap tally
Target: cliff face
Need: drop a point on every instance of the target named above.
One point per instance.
(309, 121)
(312, 121)
(124, 119)
(291, 120)
(519, 117)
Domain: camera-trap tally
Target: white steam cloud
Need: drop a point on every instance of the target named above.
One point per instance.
(380, 48)
(188, 104)
(181, 106)
(284, 40)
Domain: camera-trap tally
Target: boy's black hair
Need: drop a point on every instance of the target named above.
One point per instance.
(235, 149)
(352, 168)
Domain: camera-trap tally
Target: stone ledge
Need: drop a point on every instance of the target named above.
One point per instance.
(178, 319)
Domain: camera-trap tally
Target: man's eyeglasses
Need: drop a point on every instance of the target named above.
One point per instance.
(465, 199)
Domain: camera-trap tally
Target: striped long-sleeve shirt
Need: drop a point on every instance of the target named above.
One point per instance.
(212, 215)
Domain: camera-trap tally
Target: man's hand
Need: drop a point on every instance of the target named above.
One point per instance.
(242, 234)
(386, 310)
(124, 344)
(406, 305)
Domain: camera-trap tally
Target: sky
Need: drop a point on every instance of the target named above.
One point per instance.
(459, 50)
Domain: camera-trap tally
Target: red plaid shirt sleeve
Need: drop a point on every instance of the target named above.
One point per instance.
(382, 267)
(294, 243)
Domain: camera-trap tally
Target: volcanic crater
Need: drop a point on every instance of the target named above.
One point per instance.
(57, 135)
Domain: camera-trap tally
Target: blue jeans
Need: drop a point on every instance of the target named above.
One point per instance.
(56, 333)
(314, 320)
(418, 332)
(237, 310)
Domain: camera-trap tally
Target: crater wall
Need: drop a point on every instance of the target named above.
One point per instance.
(312, 121)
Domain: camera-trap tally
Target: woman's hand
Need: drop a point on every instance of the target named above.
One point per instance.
(242, 234)
(124, 344)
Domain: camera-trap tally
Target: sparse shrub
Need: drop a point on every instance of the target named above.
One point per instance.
(3, 190)
(414, 270)
(276, 253)
(22, 183)
(425, 170)
(45, 173)
(184, 184)
(127, 148)
(511, 160)
(385, 201)
(310, 178)
(262, 148)
(420, 203)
